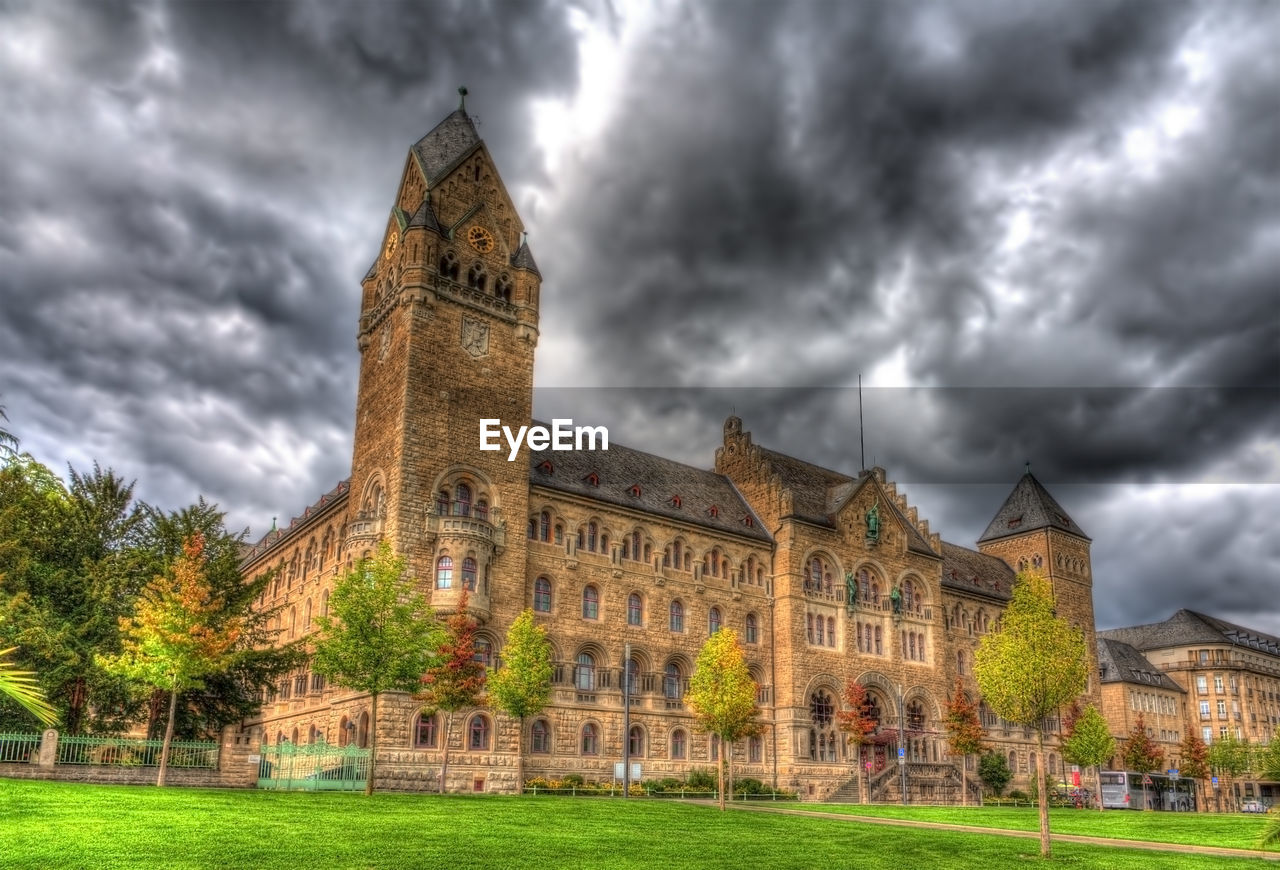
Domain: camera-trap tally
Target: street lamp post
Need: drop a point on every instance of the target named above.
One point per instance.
(902, 744)
(626, 719)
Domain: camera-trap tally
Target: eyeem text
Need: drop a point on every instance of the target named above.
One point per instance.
(562, 435)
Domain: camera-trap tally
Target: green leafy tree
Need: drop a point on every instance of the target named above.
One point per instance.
(964, 733)
(456, 680)
(858, 725)
(1031, 666)
(1230, 757)
(1267, 759)
(177, 635)
(1089, 743)
(379, 636)
(8, 441)
(994, 772)
(522, 686)
(722, 694)
(1194, 763)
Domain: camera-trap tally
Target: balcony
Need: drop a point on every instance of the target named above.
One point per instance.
(467, 527)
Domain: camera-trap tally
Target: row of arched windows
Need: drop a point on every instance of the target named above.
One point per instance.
(287, 623)
(819, 630)
(477, 276)
(959, 618)
(542, 602)
(913, 646)
(462, 502)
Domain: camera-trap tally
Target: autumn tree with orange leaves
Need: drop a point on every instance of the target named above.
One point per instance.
(857, 724)
(964, 734)
(456, 680)
(178, 634)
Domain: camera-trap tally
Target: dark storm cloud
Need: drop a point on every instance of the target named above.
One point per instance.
(199, 188)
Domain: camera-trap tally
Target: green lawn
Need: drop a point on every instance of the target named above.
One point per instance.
(63, 825)
(1229, 830)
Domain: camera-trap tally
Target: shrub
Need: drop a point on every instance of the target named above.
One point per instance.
(1018, 795)
(572, 779)
(701, 779)
(748, 785)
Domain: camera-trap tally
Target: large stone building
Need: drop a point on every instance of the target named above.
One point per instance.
(824, 575)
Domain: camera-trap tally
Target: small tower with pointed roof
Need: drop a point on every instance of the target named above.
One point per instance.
(1032, 532)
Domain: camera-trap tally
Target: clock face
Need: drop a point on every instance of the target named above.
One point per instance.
(480, 239)
(391, 243)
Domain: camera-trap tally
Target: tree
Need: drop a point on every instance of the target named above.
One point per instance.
(856, 722)
(1229, 757)
(1029, 667)
(1195, 759)
(722, 694)
(522, 686)
(1088, 743)
(456, 680)
(964, 733)
(994, 772)
(1141, 754)
(8, 441)
(177, 635)
(22, 688)
(1267, 759)
(379, 636)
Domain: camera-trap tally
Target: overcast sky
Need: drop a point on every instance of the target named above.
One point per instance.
(1044, 232)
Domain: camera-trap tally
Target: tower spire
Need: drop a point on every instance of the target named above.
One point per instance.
(462, 98)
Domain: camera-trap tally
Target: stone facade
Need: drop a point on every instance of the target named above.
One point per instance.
(826, 577)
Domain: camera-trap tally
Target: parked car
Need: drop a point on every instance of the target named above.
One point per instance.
(1252, 807)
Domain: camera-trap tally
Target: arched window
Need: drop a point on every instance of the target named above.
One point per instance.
(425, 734)
(831, 631)
(478, 733)
(908, 597)
(915, 716)
(324, 603)
(1013, 761)
(345, 729)
(590, 603)
(675, 553)
(449, 265)
(755, 750)
(542, 595)
(822, 735)
(502, 289)
(821, 634)
(672, 682)
(633, 675)
(713, 620)
(590, 739)
(462, 501)
(869, 588)
(592, 532)
(635, 610)
(482, 509)
(476, 278)
(483, 652)
(442, 502)
(879, 642)
(635, 546)
(808, 627)
(362, 731)
(679, 744)
(544, 526)
(753, 628)
(306, 616)
(444, 572)
(635, 742)
(293, 620)
(677, 616)
(962, 663)
(584, 673)
(540, 742)
(469, 573)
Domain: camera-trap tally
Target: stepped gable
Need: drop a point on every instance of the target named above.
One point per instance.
(975, 573)
(1185, 626)
(448, 143)
(270, 539)
(818, 494)
(660, 481)
(1118, 662)
(1028, 508)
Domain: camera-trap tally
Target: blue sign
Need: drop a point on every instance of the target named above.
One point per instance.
(1215, 782)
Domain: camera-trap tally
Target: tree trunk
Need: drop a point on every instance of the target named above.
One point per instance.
(728, 759)
(168, 737)
(1097, 781)
(373, 742)
(520, 758)
(720, 770)
(866, 777)
(1043, 796)
(444, 767)
(964, 780)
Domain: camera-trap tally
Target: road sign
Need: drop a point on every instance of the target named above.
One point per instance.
(902, 755)
(1075, 768)
(1146, 780)
(868, 765)
(1174, 773)
(1215, 782)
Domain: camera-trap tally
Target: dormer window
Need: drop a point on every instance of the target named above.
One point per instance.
(635, 490)
(675, 501)
(748, 521)
(713, 511)
(546, 467)
(593, 479)
(1015, 522)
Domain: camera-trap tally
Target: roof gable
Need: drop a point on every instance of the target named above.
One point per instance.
(1119, 662)
(448, 143)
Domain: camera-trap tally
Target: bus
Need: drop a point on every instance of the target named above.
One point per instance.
(1123, 790)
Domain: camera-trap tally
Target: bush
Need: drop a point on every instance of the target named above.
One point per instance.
(701, 779)
(994, 772)
(572, 779)
(748, 785)
(669, 783)
(1018, 795)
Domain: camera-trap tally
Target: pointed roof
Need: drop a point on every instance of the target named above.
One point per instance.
(1028, 508)
(446, 144)
(523, 259)
(974, 573)
(425, 216)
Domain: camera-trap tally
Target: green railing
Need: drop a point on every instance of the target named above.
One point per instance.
(19, 747)
(126, 752)
(314, 767)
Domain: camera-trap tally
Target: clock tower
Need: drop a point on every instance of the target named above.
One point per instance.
(448, 326)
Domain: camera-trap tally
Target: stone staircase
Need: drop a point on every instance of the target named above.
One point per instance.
(849, 792)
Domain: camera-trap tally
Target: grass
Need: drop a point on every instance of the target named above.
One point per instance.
(66, 825)
(1232, 831)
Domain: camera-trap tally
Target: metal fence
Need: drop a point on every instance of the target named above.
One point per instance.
(314, 767)
(19, 747)
(129, 752)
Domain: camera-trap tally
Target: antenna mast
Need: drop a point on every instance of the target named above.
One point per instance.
(862, 441)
